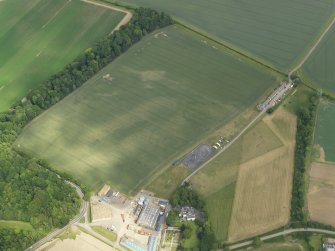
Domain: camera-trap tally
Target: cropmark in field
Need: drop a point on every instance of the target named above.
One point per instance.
(278, 33)
(247, 188)
(142, 110)
(39, 37)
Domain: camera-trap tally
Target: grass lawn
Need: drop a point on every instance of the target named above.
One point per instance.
(106, 233)
(193, 241)
(168, 181)
(324, 131)
(276, 32)
(39, 37)
(18, 225)
(319, 70)
(136, 115)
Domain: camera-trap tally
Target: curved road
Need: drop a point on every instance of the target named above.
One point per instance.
(53, 234)
(285, 232)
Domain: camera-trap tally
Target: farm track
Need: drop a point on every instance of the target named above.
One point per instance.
(285, 232)
(124, 21)
(309, 53)
(260, 114)
(226, 147)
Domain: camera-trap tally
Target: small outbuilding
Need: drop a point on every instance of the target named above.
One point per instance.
(104, 190)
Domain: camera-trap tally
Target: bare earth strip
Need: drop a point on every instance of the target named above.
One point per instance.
(263, 192)
(82, 241)
(321, 193)
(124, 21)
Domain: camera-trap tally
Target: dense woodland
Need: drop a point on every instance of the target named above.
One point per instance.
(304, 137)
(186, 196)
(29, 191)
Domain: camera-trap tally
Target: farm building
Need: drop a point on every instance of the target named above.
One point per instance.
(188, 213)
(328, 247)
(152, 243)
(149, 216)
(163, 203)
(131, 245)
(104, 190)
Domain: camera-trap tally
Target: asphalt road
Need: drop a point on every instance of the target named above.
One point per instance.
(53, 234)
(285, 232)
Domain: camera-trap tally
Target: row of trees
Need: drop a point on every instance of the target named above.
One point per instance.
(304, 136)
(186, 196)
(29, 191)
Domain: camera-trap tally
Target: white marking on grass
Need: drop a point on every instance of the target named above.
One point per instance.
(157, 35)
(294, 92)
(38, 54)
(56, 14)
(1, 87)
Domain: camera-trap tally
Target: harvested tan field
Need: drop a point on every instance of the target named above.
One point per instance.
(321, 194)
(263, 192)
(78, 241)
(100, 212)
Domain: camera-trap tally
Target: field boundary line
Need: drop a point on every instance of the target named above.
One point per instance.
(124, 20)
(56, 14)
(230, 47)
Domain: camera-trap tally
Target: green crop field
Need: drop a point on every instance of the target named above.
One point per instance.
(138, 113)
(220, 205)
(319, 69)
(324, 131)
(275, 32)
(39, 37)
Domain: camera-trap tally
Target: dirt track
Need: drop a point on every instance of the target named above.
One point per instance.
(124, 21)
(309, 53)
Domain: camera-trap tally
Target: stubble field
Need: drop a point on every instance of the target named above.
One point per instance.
(163, 95)
(321, 193)
(54, 33)
(247, 188)
(274, 32)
